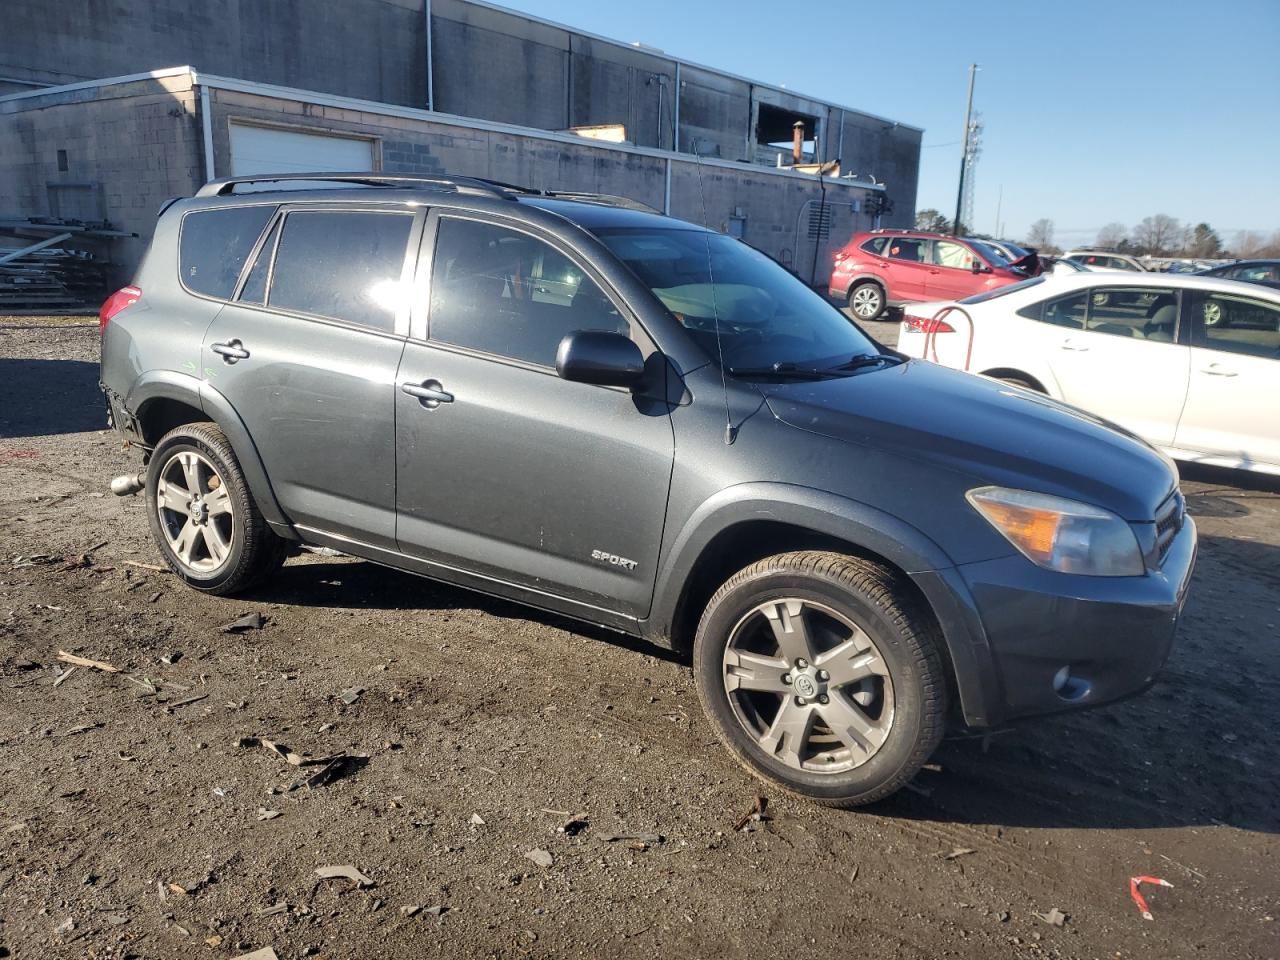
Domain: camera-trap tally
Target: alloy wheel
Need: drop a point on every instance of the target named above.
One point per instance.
(865, 302)
(1212, 314)
(808, 685)
(196, 513)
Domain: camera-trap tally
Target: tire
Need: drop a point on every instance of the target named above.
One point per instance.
(1020, 382)
(1101, 299)
(1212, 314)
(886, 690)
(217, 542)
(866, 300)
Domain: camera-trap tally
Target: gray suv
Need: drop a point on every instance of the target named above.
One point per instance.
(630, 420)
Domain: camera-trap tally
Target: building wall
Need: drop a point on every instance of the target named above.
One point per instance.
(136, 145)
(372, 49)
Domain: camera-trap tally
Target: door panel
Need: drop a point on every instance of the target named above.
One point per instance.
(518, 475)
(907, 268)
(1231, 410)
(1123, 363)
(951, 275)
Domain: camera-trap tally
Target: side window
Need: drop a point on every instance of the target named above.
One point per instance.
(214, 245)
(341, 264)
(508, 293)
(947, 253)
(1221, 321)
(1144, 313)
(1064, 312)
(876, 245)
(909, 248)
(255, 285)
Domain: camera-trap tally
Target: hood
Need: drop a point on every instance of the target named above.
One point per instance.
(991, 431)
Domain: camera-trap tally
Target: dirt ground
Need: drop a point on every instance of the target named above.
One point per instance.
(484, 728)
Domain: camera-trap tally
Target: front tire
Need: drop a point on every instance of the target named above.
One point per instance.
(203, 516)
(866, 300)
(822, 676)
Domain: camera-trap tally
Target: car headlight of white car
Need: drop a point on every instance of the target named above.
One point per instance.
(1060, 534)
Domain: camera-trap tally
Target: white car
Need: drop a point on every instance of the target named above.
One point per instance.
(1192, 364)
(1105, 260)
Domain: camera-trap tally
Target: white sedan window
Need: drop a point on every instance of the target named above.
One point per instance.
(1222, 321)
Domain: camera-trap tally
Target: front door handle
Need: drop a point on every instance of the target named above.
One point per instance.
(1216, 371)
(430, 393)
(1068, 345)
(231, 351)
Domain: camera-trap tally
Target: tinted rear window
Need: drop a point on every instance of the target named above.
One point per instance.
(341, 264)
(215, 244)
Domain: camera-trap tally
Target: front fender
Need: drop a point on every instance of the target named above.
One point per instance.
(862, 526)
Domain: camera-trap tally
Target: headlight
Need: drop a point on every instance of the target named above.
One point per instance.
(1060, 534)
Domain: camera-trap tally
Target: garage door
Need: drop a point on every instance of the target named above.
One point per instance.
(272, 150)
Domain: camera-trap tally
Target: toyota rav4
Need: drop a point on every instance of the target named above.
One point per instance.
(636, 422)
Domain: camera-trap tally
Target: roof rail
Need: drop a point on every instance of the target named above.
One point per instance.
(226, 185)
(606, 199)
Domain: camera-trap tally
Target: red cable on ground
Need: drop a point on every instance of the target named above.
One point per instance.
(1138, 898)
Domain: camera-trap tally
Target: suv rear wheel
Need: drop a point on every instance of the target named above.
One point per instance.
(821, 676)
(203, 516)
(866, 300)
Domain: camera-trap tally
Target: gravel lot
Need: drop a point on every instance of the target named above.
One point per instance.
(483, 729)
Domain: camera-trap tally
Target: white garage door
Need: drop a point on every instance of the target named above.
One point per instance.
(272, 150)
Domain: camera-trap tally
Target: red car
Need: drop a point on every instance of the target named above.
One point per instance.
(886, 268)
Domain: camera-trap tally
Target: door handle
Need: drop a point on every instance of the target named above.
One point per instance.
(231, 351)
(1068, 345)
(1214, 370)
(430, 393)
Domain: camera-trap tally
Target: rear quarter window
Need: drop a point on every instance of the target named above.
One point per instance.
(876, 245)
(214, 244)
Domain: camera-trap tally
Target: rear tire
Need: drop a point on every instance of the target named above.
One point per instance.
(822, 676)
(866, 300)
(203, 516)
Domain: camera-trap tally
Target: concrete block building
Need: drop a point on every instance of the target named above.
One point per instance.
(96, 123)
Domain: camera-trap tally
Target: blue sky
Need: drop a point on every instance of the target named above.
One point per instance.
(1095, 111)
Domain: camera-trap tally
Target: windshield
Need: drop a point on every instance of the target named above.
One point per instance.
(990, 253)
(768, 319)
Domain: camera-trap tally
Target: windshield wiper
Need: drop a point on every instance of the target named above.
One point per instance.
(786, 370)
(869, 360)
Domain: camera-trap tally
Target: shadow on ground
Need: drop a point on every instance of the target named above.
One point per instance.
(44, 397)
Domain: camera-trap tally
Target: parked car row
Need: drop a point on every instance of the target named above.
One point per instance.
(1189, 363)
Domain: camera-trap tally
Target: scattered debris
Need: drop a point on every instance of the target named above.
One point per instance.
(437, 911)
(410, 911)
(755, 815)
(345, 873)
(214, 941)
(639, 837)
(1135, 883)
(266, 953)
(1055, 917)
(71, 658)
(63, 676)
(476, 820)
(272, 910)
(574, 825)
(154, 567)
(333, 769)
(351, 695)
(65, 927)
(853, 874)
(539, 856)
(82, 728)
(171, 657)
(958, 852)
(187, 702)
(265, 814)
(250, 621)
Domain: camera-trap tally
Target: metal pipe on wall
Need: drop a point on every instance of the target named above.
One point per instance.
(431, 92)
(675, 123)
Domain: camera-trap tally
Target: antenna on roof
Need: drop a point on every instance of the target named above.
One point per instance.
(730, 431)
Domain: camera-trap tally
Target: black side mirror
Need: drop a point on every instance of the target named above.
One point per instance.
(978, 266)
(595, 356)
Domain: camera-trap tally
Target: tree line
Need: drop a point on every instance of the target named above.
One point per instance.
(1156, 236)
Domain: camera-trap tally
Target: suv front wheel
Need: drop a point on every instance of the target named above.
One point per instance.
(866, 300)
(203, 516)
(821, 676)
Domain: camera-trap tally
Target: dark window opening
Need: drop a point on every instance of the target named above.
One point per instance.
(775, 132)
(63, 166)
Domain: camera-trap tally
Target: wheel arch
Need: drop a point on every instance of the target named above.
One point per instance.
(740, 526)
(999, 373)
(865, 278)
(163, 400)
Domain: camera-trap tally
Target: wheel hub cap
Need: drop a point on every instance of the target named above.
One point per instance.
(807, 684)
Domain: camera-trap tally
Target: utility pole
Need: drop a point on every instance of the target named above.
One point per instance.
(964, 151)
(999, 204)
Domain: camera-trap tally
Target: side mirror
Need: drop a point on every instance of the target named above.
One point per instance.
(605, 359)
(978, 266)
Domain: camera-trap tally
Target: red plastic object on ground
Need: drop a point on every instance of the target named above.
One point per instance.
(1138, 898)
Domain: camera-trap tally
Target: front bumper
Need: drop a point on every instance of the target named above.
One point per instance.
(1111, 635)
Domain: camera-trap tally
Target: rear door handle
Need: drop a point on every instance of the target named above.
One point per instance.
(1216, 371)
(430, 393)
(231, 351)
(1068, 345)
